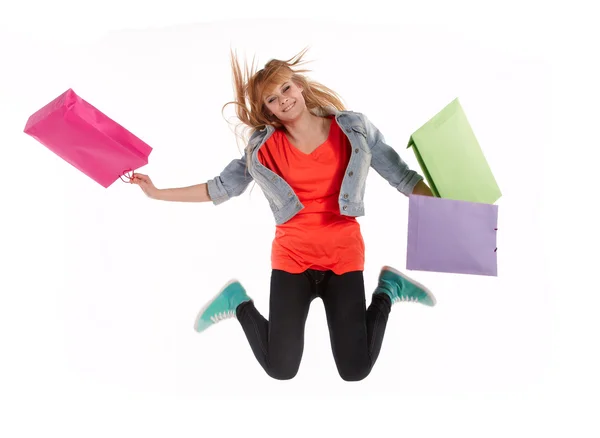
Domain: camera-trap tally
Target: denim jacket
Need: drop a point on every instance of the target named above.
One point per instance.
(368, 150)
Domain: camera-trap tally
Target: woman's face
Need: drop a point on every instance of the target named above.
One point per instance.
(285, 101)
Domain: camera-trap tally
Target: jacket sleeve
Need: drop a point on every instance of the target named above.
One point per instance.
(388, 163)
(232, 181)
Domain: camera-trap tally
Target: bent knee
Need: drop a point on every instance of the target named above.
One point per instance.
(283, 371)
(353, 374)
(282, 374)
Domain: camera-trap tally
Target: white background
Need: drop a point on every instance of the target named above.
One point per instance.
(100, 287)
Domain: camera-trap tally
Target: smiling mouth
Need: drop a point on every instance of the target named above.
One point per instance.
(286, 109)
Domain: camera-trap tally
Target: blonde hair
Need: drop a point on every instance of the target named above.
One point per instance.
(250, 87)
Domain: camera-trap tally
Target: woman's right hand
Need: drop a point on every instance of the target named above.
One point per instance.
(145, 184)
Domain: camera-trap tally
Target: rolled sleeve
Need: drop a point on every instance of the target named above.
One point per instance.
(216, 191)
(231, 182)
(388, 163)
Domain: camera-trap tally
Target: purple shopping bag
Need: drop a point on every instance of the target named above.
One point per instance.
(446, 235)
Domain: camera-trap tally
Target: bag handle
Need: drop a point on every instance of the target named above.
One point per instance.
(129, 178)
(495, 229)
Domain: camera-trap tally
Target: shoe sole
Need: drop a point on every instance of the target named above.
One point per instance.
(207, 305)
(416, 283)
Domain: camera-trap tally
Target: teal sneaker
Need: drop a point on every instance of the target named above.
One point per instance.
(222, 306)
(400, 287)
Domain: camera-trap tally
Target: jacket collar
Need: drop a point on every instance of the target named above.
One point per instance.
(261, 135)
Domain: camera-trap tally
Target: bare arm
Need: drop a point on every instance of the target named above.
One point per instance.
(195, 193)
(232, 181)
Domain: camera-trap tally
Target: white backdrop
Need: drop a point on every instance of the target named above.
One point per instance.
(101, 286)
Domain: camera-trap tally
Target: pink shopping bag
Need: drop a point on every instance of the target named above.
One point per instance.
(87, 139)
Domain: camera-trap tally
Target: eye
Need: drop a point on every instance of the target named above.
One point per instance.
(287, 87)
(271, 100)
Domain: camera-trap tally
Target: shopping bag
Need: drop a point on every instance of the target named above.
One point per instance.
(451, 158)
(87, 139)
(445, 235)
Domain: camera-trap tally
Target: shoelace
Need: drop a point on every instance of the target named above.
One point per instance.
(405, 298)
(222, 315)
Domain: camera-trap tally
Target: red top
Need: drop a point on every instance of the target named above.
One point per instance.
(318, 236)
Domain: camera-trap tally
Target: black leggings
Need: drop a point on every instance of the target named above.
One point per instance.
(356, 333)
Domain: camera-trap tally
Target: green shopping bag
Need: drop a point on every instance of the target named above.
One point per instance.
(452, 160)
